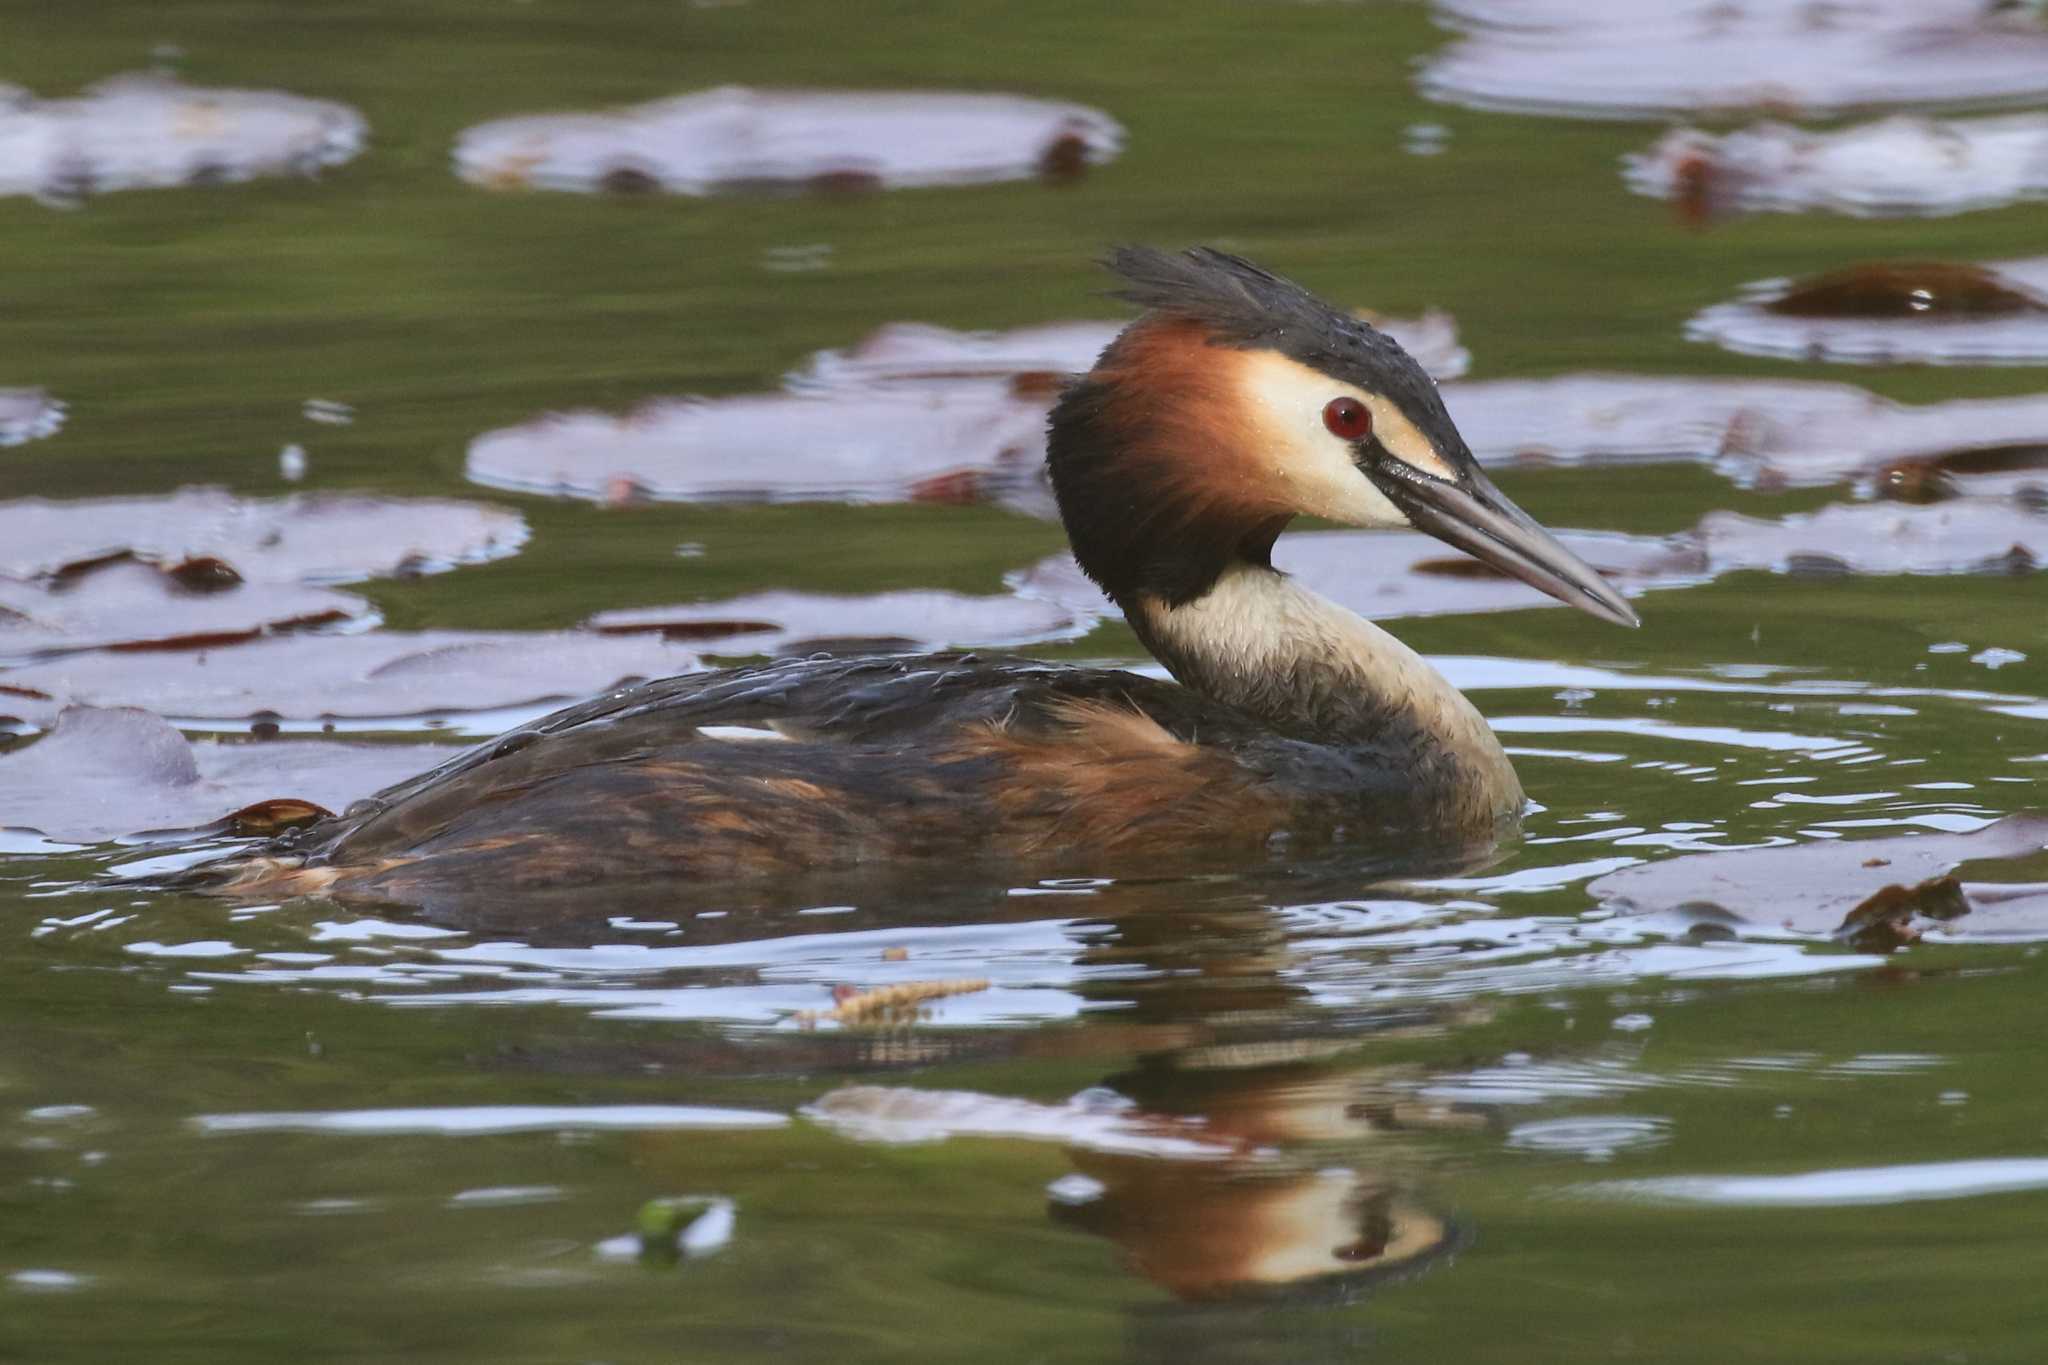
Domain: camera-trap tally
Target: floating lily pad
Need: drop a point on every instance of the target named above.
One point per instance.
(133, 606)
(735, 139)
(799, 622)
(100, 775)
(1883, 313)
(963, 442)
(1892, 168)
(1782, 433)
(1848, 887)
(309, 538)
(1615, 59)
(381, 674)
(1576, 17)
(1964, 535)
(1384, 575)
(150, 132)
(27, 414)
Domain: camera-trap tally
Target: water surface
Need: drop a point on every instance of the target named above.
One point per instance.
(1311, 1113)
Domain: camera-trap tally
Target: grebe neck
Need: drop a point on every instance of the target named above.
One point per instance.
(1315, 671)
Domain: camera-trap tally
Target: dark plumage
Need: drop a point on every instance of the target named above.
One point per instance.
(887, 760)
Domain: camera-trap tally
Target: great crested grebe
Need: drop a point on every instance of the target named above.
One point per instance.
(1236, 402)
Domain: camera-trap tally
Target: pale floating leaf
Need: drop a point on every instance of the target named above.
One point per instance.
(135, 606)
(800, 622)
(1816, 887)
(148, 131)
(1618, 59)
(732, 139)
(962, 442)
(1897, 167)
(306, 538)
(1772, 433)
(1964, 535)
(100, 775)
(365, 676)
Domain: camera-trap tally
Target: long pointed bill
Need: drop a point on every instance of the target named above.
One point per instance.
(1477, 518)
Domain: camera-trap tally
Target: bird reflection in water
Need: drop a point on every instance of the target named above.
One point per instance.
(1327, 1186)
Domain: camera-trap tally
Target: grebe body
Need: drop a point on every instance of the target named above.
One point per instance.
(1236, 402)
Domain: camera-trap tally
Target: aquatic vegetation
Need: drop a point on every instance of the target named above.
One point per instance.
(1614, 59)
(802, 623)
(1897, 167)
(1878, 313)
(884, 446)
(1960, 535)
(104, 774)
(1762, 433)
(1877, 893)
(315, 677)
(147, 131)
(307, 538)
(204, 567)
(27, 415)
(733, 139)
(133, 605)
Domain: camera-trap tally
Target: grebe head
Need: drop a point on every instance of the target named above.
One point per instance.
(1240, 401)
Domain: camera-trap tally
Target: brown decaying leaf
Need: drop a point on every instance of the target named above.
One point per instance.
(890, 1003)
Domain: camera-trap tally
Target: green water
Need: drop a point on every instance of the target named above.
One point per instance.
(1425, 1042)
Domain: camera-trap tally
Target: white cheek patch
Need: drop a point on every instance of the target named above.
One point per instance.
(1311, 469)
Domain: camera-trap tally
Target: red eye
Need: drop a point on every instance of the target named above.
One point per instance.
(1348, 419)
